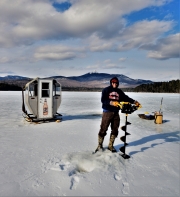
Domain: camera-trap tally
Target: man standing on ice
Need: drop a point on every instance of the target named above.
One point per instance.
(111, 96)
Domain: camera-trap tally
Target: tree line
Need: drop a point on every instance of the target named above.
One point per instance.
(161, 87)
(9, 87)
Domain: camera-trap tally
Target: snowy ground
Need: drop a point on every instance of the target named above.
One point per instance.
(55, 159)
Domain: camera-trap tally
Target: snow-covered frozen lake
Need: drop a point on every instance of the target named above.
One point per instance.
(55, 159)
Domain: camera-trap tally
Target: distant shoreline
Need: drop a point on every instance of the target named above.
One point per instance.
(157, 87)
(65, 90)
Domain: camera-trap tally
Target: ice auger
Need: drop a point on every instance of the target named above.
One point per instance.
(126, 108)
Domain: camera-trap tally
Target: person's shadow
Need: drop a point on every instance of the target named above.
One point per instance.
(167, 137)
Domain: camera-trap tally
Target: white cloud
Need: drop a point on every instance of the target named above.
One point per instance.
(3, 74)
(4, 60)
(107, 61)
(140, 33)
(24, 22)
(58, 52)
(106, 64)
(112, 66)
(55, 56)
(101, 47)
(86, 29)
(122, 59)
(165, 48)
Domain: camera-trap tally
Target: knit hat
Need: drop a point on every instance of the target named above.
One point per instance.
(115, 80)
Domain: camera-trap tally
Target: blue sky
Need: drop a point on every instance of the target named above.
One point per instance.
(136, 38)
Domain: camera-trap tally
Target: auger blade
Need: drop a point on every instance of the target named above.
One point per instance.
(125, 144)
(123, 138)
(126, 133)
(123, 128)
(122, 149)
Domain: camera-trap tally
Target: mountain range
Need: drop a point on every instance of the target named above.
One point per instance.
(90, 80)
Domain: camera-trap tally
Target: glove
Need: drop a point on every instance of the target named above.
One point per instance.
(114, 103)
(137, 104)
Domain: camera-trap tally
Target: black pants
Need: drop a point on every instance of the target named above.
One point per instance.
(107, 119)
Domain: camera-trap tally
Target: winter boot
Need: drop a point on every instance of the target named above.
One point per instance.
(100, 143)
(111, 142)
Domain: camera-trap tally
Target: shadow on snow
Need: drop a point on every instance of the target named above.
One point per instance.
(167, 137)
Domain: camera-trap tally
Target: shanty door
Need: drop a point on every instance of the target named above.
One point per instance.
(45, 99)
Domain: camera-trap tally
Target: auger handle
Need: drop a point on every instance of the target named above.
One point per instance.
(122, 103)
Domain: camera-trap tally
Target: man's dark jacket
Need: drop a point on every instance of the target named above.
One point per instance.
(113, 94)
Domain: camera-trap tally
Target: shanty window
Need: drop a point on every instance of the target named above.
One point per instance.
(45, 89)
(45, 85)
(56, 89)
(31, 90)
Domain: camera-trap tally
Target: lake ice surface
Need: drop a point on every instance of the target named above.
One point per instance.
(55, 159)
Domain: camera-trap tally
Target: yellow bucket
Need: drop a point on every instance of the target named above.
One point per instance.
(158, 118)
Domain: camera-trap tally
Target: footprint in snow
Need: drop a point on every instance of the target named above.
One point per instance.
(125, 189)
(74, 182)
(117, 177)
(64, 166)
(60, 167)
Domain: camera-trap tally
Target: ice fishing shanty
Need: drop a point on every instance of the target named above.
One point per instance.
(42, 97)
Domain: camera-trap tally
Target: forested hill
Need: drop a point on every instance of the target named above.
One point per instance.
(9, 87)
(166, 87)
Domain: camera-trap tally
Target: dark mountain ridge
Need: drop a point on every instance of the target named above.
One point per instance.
(14, 77)
(87, 80)
(104, 77)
